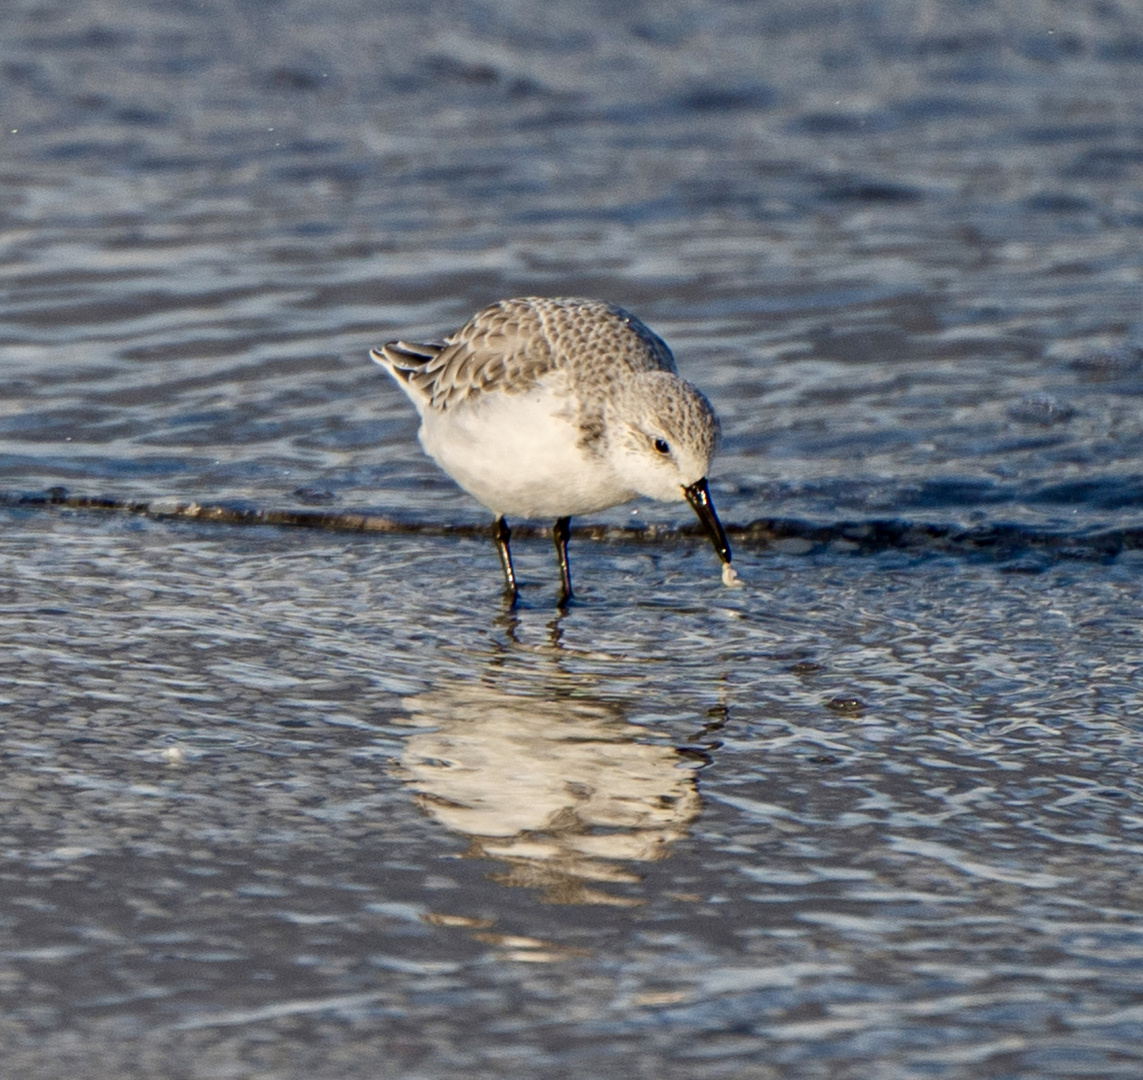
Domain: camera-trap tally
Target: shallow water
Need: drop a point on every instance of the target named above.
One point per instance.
(295, 803)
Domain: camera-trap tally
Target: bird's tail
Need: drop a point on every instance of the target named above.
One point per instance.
(404, 359)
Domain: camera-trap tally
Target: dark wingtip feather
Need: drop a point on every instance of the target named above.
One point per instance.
(406, 358)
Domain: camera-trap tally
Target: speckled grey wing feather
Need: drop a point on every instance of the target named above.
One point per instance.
(511, 345)
(501, 348)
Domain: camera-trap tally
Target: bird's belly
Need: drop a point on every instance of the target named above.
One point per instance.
(520, 455)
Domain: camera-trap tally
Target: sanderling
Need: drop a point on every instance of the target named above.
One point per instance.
(547, 408)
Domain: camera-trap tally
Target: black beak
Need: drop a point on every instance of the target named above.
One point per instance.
(699, 498)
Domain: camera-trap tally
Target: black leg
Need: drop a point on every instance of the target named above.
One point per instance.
(502, 534)
(561, 530)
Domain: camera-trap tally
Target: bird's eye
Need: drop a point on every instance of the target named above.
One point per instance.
(661, 446)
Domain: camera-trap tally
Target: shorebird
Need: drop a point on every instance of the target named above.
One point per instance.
(551, 408)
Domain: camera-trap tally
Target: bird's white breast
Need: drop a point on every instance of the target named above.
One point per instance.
(521, 454)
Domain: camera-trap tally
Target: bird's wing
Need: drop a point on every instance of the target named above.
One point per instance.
(503, 348)
(511, 345)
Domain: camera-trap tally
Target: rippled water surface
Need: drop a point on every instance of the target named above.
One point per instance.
(294, 803)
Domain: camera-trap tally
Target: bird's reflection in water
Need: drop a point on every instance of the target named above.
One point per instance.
(554, 782)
